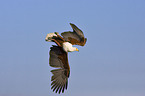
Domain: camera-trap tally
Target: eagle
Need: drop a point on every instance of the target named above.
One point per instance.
(59, 55)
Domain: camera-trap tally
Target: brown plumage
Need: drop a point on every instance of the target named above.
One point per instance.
(76, 37)
(59, 57)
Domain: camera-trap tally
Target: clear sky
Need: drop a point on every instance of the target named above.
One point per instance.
(111, 64)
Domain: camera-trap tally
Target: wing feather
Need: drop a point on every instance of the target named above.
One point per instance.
(77, 30)
(76, 37)
(58, 58)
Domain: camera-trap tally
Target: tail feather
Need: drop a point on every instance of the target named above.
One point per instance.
(50, 36)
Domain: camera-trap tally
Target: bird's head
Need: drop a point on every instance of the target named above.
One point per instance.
(73, 49)
(68, 47)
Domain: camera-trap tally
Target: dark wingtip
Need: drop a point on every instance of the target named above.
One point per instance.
(71, 24)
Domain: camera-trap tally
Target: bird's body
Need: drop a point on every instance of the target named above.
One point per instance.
(58, 55)
(67, 47)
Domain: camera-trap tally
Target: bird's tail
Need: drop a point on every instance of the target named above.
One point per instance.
(50, 36)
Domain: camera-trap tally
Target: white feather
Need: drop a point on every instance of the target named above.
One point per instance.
(67, 47)
(49, 36)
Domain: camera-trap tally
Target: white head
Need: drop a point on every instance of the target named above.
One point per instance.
(73, 49)
(67, 47)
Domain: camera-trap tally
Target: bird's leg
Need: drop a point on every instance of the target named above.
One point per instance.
(59, 36)
(56, 42)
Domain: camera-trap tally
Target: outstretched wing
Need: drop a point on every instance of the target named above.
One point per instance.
(76, 37)
(58, 58)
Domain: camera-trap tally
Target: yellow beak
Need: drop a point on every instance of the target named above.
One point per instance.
(77, 49)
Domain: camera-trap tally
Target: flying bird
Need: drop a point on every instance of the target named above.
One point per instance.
(59, 55)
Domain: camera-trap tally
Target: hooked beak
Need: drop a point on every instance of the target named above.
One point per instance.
(77, 49)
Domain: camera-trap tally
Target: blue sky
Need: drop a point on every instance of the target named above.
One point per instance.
(112, 63)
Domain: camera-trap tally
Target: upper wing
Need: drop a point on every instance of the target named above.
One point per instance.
(76, 37)
(58, 58)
